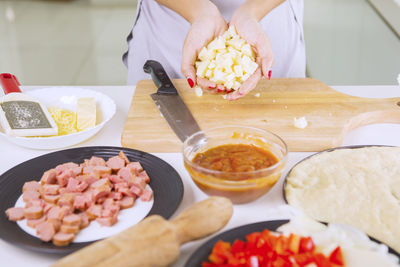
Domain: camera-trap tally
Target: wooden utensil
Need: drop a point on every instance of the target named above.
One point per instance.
(330, 114)
(154, 241)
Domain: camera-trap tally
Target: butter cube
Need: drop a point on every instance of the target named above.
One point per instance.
(85, 113)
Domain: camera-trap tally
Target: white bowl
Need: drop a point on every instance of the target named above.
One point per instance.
(66, 97)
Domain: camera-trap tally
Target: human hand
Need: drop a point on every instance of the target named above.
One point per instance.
(205, 26)
(247, 26)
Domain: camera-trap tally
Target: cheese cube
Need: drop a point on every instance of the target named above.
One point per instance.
(232, 30)
(219, 76)
(228, 84)
(246, 50)
(236, 43)
(208, 74)
(202, 68)
(212, 65)
(231, 77)
(218, 43)
(85, 113)
(245, 77)
(249, 66)
(238, 70)
(236, 85)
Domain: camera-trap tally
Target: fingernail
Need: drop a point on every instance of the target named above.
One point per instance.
(212, 87)
(220, 90)
(269, 74)
(190, 82)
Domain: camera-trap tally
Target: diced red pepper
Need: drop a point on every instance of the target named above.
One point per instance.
(306, 244)
(336, 257)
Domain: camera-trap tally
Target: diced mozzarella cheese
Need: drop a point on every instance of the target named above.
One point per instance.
(216, 44)
(232, 30)
(227, 60)
(219, 76)
(229, 84)
(246, 49)
(236, 43)
(300, 122)
(238, 70)
(202, 68)
(198, 91)
(236, 85)
(208, 74)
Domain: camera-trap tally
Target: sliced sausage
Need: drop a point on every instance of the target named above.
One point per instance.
(84, 220)
(115, 179)
(30, 195)
(115, 163)
(15, 214)
(72, 220)
(147, 195)
(94, 211)
(71, 229)
(34, 222)
(122, 155)
(45, 231)
(107, 221)
(53, 199)
(127, 202)
(135, 167)
(63, 239)
(72, 185)
(127, 174)
(102, 170)
(96, 161)
(135, 189)
(50, 189)
(49, 177)
(31, 185)
(33, 212)
(145, 176)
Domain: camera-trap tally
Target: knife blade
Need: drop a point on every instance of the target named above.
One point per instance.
(170, 104)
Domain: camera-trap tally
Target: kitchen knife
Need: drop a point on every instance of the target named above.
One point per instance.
(170, 103)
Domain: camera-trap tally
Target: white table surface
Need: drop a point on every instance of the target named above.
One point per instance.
(265, 208)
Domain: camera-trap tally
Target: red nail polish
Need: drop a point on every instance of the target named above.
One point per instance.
(269, 74)
(220, 90)
(190, 82)
(210, 87)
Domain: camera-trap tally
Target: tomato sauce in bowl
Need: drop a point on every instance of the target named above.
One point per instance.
(237, 162)
(235, 158)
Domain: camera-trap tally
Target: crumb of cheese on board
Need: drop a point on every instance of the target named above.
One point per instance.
(198, 91)
(257, 95)
(300, 122)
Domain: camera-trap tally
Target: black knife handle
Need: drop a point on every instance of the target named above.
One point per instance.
(160, 77)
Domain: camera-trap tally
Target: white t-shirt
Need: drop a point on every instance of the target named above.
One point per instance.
(159, 33)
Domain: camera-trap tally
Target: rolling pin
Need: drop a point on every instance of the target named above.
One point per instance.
(154, 241)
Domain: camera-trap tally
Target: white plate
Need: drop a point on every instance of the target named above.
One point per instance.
(66, 97)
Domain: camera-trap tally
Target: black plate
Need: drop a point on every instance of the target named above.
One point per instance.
(165, 182)
(202, 253)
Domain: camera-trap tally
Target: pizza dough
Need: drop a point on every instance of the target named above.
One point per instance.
(359, 187)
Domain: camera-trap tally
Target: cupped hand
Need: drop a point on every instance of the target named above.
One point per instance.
(205, 26)
(248, 28)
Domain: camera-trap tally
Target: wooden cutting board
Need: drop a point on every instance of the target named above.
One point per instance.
(330, 114)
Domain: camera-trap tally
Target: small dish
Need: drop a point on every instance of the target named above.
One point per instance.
(66, 97)
(242, 186)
